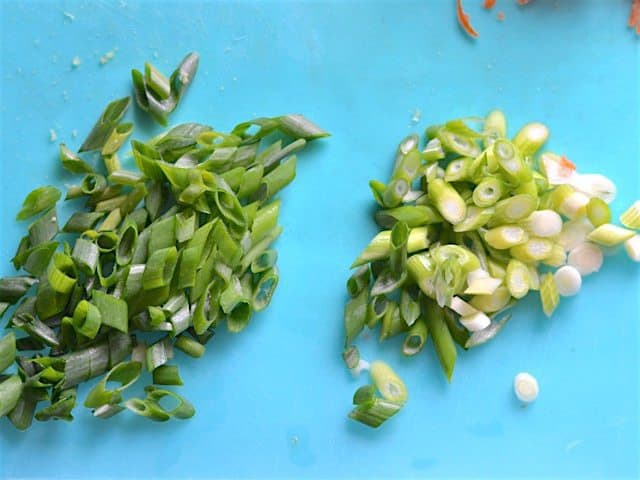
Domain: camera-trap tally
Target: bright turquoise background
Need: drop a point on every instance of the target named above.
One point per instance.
(359, 69)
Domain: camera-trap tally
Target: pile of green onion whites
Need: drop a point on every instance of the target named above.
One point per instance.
(472, 222)
(154, 258)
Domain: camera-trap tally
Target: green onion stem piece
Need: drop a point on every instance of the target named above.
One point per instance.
(416, 338)
(448, 201)
(37, 201)
(7, 351)
(10, 391)
(167, 375)
(189, 346)
(442, 339)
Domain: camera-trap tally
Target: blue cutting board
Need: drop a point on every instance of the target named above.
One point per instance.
(272, 402)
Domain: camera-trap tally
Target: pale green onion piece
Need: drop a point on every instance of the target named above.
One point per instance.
(483, 336)
(61, 273)
(610, 235)
(509, 161)
(491, 303)
(568, 280)
(631, 217)
(388, 383)
(475, 322)
(351, 357)
(530, 138)
(535, 249)
(107, 411)
(534, 277)
(416, 338)
(505, 237)
(442, 339)
(598, 212)
(594, 185)
(462, 256)
(549, 295)
(574, 205)
(380, 245)
(146, 409)
(433, 151)
(412, 215)
(447, 200)
(518, 279)
(374, 413)
(456, 170)
(409, 306)
(376, 309)
(557, 257)
(632, 247)
(495, 127)
(182, 410)
(44, 229)
(476, 218)
(392, 323)
(398, 254)
(514, 209)
(158, 354)
(264, 289)
(525, 387)
(574, 233)
(86, 319)
(422, 270)
(461, 307)
(543, 223)
(586, 257)
(85, 255)
(488, 192)
(496, 268)
(395, 192)
(125, 373)
(359, 280)
(480, 282)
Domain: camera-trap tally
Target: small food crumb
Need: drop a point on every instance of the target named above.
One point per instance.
(53, 136)
(74, 133)
(107, 57)
(155, 54)
(417, 116)
(75, 63)
(295, 440)
(500, 16)
(69, 16)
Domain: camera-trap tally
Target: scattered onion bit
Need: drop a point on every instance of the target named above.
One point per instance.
(463, 19)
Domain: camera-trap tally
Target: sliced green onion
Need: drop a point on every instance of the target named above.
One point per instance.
(631, 217)
(525, 387)
(351, 357)
(376, 309)
(480, 282)
(475, 322)
(476, 218)
(574, 205)
(44, 229)
(492, 303)
(535, 249)
(448, 201)
(79, 222)
(160, 267)
(355, 316)
(398, 254)
(264, 289)
(409, 306)
(632, 247)
(557, 257)
(61, 406)
(37, 201)
(107, 122)
(72, 162)
(388, 383)
(495, 127)
(114, 311)
(543, 223)
(10, 390)
(488, 192)
(412, 215)
(610, 235)
(158, 354)
(277, 179)
(375, 413)
(167, 375)
(182, 410)
(514, 209)
(392, 322)
(13, 289)
(416, 338)
(568, 281)
(549, 295)
(586, 257)
(486, 334)
(442, 340)
(530, 138)
(7, 351)
(189, 346)
(518, 279)
(574, 232)
(505, 237)
(598, 212)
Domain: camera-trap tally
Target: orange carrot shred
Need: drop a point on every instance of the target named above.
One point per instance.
(634, 16)
(463, 19)
(523, 2)
(566, 163)
(489, 4)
